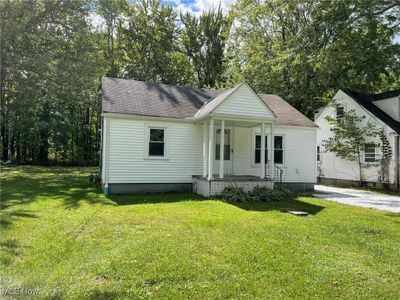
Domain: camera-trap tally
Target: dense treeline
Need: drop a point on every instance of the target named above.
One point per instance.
(54, 53)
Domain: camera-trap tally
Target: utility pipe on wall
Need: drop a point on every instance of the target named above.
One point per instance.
(396, 159)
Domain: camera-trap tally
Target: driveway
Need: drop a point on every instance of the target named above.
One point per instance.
(358, 198)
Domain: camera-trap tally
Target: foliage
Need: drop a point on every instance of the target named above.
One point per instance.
(203, 40)
(305, 51)
(64, 239)
(149, 41)
(386, 157)
(233, 194)
(265, 194)
(54, 53)
(49, 81)
(350, 134)
(53, 56)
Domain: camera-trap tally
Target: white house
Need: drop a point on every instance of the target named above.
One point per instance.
(159, 137)
(383, 110)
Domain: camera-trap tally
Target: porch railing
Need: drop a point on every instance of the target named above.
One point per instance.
(277, 175)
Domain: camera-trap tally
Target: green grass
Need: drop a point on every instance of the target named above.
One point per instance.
(62, 239)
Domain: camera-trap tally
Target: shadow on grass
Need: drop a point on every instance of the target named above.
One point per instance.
(10, 248)
(312, 209)
(26, 185)
(395, 216)
(7, 217)
(132, 199)
(69, 188)
(179, 197)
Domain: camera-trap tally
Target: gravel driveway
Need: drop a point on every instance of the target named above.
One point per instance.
(358, 198)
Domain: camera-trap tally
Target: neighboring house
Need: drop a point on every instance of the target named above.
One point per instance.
(159, 137)
(383, 110)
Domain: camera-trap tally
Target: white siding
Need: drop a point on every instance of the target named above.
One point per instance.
(299, 153)
(127, 162)
(331, 166)
(244, 102)
(391, 106)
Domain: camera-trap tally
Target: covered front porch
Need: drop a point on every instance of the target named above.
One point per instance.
(205, 187)
(242, 163)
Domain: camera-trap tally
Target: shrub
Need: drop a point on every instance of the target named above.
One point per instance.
(236, 194)
(265, 194)
(233, 194)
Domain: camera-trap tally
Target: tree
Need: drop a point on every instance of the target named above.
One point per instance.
(386, 156)
(349, 138)
(113, 13)
(149, 41)
(203, 40)
(50, 75)
(306, 50)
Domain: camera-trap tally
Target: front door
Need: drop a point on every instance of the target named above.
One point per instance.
(228, 151)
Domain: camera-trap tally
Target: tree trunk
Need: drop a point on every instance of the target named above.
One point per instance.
(360, 171)
(44, 145)
(4, 140)
(44, 135)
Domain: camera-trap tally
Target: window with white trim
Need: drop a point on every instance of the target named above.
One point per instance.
(227, 144)
(156, 142)
(257, 149)
(369, 153)
(318, 153)
(278, 149)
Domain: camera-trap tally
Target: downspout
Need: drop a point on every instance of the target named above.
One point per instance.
(396, 159)
(105, 158)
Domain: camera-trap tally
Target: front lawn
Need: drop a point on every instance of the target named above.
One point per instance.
(61, 238)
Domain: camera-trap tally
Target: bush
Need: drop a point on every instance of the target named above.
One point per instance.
(265, 194)
(233, 194)
(236, 194)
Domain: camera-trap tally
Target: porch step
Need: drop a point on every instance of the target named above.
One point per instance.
(295, 212)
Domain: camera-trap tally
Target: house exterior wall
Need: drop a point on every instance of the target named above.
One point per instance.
(127, 152)
(332, 167)
(244, 102)
(299, 152)
(126, 160)
(391, 106)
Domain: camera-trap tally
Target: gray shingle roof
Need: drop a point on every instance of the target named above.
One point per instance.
(162, 100)
(287, 114)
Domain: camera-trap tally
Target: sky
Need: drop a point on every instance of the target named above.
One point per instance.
(193, 6)
(197, 6)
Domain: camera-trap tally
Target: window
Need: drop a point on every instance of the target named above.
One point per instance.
(278, 149)
(339, 112)
(257, 149)
(157, 142)
(369, 153)
(318, 153)
(227, 146)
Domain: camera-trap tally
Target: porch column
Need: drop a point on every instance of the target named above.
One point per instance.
(271, 151)
(205, 146)
(221, 149)
(262, 154)
(210, 149)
